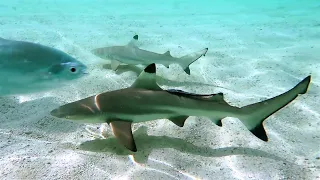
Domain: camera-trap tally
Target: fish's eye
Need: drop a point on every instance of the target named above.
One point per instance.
(73, 69)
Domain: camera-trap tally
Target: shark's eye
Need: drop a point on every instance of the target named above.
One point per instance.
(73, 69)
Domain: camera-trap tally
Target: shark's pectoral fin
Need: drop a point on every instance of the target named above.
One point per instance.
(114, 64)
(179, 120)
(123, 133)
(147, 79)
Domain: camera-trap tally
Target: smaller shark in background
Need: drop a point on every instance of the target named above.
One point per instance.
(144, 101)
(133, 55)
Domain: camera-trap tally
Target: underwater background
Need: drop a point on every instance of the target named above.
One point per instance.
(257, 50)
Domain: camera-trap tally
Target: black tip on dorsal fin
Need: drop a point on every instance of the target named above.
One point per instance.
(136, 37)
(167, 53)
(150, 68)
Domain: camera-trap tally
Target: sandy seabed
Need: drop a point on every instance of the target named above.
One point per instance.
(256, 51)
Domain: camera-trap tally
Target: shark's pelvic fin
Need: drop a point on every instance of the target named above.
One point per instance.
(122, 131)
(255, 114)
(114, 64)
(179, 120)
(134, 41)
(217, 122)
(147, 79)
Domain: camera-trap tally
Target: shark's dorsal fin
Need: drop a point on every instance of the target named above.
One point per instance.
(147, 79)
(134, 41)
(167, 53)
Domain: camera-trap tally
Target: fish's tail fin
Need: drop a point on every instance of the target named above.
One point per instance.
(253, 115)
(186, 60)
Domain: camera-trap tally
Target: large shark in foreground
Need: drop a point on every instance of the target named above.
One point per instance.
(146, 101)
(27, 67)
(133, 55)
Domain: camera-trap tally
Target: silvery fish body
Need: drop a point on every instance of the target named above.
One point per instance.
(27, 67)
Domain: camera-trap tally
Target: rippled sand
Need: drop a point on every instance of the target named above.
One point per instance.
(256, 51)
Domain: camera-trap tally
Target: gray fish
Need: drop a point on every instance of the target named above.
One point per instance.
(146, 101)
(133, 55)
(27, 67)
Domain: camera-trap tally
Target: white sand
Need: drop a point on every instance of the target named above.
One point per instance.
(256, 51)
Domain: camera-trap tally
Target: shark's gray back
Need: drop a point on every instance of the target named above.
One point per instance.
(134, 55)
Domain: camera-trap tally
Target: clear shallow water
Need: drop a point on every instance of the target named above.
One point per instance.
(256, 50)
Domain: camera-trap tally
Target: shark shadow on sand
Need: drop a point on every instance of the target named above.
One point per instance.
(147, 143)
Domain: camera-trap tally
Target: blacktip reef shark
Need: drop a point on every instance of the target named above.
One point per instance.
(133, 55)
(27, 67)
(145, 101)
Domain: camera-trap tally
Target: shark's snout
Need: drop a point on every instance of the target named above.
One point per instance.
(95, 51)
(57, 113)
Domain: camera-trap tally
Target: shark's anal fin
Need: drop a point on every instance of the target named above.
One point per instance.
(179, 120)
(187, 70)
(260, 132)
(114, 64)
(147, 79)
(122, 131)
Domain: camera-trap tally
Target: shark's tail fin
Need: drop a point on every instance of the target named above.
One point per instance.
(253, 115)
(186, 60)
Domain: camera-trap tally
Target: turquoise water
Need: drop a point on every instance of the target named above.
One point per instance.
(257, 50)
